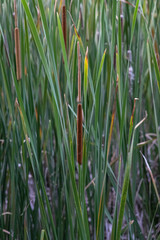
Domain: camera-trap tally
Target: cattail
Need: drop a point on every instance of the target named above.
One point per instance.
(64, 23)
(17, 45)
(79, 113)
(18, 55)
(79, 134)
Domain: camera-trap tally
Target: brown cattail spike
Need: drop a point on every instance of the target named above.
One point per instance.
(18, 54)
(79, 134)
(79, 72)
(64, 23)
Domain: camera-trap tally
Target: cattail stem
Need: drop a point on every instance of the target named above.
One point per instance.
(17, 52)
(17, 44)
(79, 134)
(64, 23)
(79, 72)
(15, 14)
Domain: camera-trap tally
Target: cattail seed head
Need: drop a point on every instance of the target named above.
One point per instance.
(18, 54)
(79, 134)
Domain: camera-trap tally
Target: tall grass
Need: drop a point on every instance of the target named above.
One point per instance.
(112, 191)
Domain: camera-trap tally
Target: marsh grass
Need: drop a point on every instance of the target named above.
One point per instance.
(114, 192)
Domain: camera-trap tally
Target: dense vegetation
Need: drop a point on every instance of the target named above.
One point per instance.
(44, 192)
